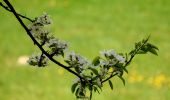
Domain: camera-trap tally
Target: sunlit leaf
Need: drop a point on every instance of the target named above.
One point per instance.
(96, 61)
(123, 80)
(152, 46)
(111, 85)
(94, 71)
(153, 51)
(73, 87)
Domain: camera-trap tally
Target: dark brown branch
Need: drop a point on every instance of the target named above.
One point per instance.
(109, 77)
(5, 7)
(35, 42)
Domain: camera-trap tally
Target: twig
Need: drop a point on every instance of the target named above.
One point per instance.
(109, 77)
(5, 7)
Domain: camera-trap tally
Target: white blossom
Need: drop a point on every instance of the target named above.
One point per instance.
(121, 59)
(57, 46)
(112, 57)
(76, 60)
(37, 27)
(44, 19)
(37, 60)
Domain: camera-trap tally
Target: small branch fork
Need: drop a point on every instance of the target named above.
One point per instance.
(6, 8)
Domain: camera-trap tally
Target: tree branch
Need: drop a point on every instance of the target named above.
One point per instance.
(5, 7)
(35, 41)
(109, 77)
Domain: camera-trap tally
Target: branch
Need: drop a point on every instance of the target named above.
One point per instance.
(35, 42)
(5, 7)
(112, 75)
(136, 51)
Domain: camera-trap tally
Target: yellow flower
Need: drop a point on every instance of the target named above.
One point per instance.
(158, 81)
(134, 77)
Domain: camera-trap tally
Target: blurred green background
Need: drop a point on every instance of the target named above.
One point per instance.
(89, 26)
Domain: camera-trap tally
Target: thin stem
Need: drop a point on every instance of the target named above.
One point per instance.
(35, 42)
(5, 7)
(109, 77)
(91, 94)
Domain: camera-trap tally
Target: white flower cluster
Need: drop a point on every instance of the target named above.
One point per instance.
(76, 61)
(57, 46)
(37, 27)
(112, 58)
(37, 60)
(44, 19)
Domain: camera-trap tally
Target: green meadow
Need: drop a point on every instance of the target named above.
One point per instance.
(89, 26)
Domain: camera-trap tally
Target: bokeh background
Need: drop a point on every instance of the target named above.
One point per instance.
(89, 26)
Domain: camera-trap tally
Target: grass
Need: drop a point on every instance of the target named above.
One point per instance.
(89, 26)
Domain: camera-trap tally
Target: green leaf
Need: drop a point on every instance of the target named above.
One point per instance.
(131, 52)
(73, 88)
(124, 68)
(153, 51)
(123, 80)
(77, 92)
(111, 85)
(96, 89)
(152, 46)
(137, 45)
(141, 52)
(94, 71)
(96, 61)
(121, 68)
(146, 40)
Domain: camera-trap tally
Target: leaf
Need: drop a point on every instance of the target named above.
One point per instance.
(137, 45)
(125, 70)
(121, 67)
(153, 51)
(96, 89)
(73, 88)
(94, 71)
(111, 85)
(131, 52)
(146, 40)
(126, 57)
(123, 80)
(62, 53)
(96, 61)
(77, 92)
(141, 52)
(153, 46)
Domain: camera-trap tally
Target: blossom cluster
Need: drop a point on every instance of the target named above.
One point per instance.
(37, 60)
(38, 29)
(76, 61)
(57, 46)
(112, 57)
